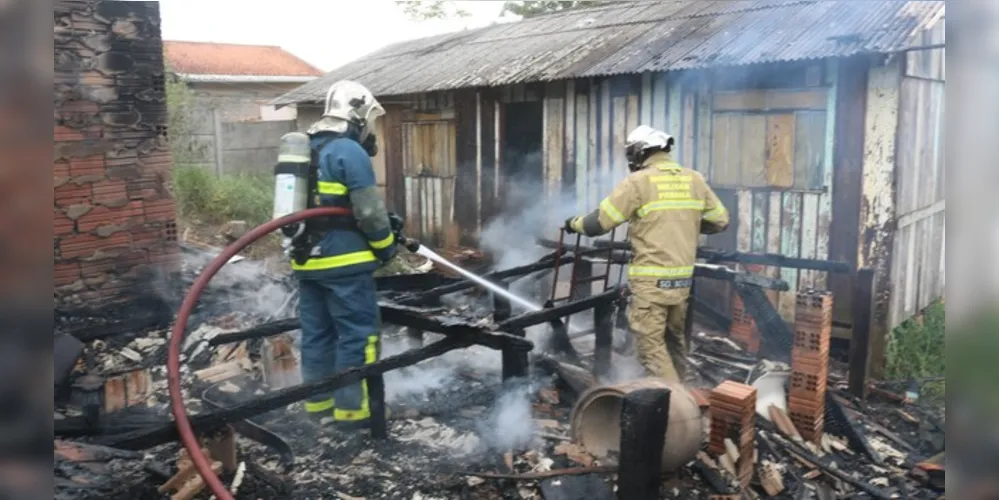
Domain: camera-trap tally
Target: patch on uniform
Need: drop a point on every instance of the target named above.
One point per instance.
(674, 284)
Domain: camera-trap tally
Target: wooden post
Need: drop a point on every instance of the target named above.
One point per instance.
(514, 363)
(860, 341)
(414, 338)
(644, 415)
(603, 326)
(376, 404)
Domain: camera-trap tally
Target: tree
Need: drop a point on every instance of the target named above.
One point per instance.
(431, 9)
(184, 116)
(534, 8)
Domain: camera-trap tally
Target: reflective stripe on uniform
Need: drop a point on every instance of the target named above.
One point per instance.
(715, 214)
(332, 188)
(290, 158)
(318, 406)
(613, 213)
(690, 204)
(661, 272)
(382, 243)
(370, 356)
(322, 263)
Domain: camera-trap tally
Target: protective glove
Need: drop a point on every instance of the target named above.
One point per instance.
(396, 224)
(370, 145)
(568, 226)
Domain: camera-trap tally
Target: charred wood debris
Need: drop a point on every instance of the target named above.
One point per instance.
(456, 428)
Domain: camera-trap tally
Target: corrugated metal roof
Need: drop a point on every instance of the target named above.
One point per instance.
(635, 37)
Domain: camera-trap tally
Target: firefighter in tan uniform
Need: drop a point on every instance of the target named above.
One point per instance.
(667, 207)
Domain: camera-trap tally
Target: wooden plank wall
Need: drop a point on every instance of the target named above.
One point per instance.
(429, 166)
(917, 271)
(776, 207)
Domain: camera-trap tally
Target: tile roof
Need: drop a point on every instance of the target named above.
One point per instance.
(635, 37)
(208, 58)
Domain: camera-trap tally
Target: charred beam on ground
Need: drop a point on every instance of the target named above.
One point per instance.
(206, 422)
(831, 470)
(254, 431)
(855, 434)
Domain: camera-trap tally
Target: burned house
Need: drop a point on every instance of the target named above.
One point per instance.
(817, 122)
(114, 216)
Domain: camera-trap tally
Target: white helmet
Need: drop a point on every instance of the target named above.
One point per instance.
(642, 142)
(349, 102)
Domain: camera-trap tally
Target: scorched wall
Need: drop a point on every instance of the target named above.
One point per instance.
(114, 221)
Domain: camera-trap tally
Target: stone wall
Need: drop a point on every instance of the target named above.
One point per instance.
(115, 236)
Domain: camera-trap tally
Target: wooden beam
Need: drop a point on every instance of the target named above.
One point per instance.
(644, 417)
(763, 100)
(861, 340)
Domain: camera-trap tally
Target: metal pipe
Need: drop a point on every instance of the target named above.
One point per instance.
(184, 429)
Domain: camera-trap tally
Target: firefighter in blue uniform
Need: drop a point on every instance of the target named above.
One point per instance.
(335, 258)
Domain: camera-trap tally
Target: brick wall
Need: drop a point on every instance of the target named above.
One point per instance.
(114, 217)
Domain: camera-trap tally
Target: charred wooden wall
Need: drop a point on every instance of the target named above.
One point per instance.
(115, 237)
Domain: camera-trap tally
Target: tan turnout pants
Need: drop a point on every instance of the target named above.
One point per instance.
(659, 337)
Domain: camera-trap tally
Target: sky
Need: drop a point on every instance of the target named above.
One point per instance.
(325, 33)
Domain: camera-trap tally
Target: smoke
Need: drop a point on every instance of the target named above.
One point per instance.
(242, 285)
(509, 425)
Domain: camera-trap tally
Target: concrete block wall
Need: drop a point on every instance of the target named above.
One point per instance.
(115, 237)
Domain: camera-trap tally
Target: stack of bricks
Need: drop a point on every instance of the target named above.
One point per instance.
(743, 329)
(733, 416)
(114, 217)
(810, 362)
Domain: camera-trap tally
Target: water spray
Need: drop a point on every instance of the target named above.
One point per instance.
(430, 254)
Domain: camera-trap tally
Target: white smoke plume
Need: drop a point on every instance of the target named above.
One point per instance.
(509, 425)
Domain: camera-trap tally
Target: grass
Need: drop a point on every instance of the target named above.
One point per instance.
(916, 350)
(203, 197)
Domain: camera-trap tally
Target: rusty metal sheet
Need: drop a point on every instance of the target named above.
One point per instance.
(636, 37)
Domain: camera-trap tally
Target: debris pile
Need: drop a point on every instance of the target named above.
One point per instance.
(457, 429)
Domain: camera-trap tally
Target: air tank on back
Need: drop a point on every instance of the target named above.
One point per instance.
(291, 179)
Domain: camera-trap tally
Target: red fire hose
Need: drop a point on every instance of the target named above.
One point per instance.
(187, 437)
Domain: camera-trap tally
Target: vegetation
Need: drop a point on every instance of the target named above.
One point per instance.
(915, 349)
(431, 9)
(535, 8)
(203, 197)
(423, 10)
(182, 108)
